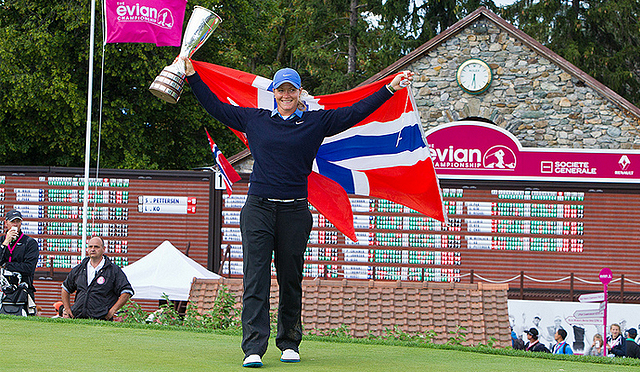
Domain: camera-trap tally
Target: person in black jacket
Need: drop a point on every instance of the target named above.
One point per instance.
(275, 221)
(101, 287)
(534, 344)
(632, 350)
(19, 252)
(616, 343)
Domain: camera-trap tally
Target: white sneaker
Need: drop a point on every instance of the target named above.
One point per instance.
(290, 356)
(252, 361)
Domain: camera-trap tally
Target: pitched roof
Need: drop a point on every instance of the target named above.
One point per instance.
(527, 40)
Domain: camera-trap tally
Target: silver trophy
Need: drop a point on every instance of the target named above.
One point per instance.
(169, 84)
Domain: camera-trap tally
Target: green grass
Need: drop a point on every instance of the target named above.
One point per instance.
(42, 344)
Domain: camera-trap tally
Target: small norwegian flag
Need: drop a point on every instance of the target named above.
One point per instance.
(228, 173)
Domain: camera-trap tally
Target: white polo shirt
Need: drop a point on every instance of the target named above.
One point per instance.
(91, 271)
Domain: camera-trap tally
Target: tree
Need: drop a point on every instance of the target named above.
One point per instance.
(43, 82)
(334, 44)
(601, 37)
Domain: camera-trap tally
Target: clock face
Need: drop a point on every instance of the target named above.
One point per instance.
(474, 76)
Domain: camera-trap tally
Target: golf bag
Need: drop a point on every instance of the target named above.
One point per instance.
(15, 298)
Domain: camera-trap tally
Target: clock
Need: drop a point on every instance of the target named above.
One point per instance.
(474, 76)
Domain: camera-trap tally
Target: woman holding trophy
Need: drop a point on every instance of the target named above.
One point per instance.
(276, 218)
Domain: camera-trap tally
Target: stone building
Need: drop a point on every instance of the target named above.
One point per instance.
(535, 94)
(538, 96)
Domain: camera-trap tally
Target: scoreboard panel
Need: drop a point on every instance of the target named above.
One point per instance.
(133, 211)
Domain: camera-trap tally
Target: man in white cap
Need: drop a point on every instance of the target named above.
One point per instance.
(19, 252)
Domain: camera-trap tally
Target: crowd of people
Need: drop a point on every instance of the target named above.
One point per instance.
(617, 344)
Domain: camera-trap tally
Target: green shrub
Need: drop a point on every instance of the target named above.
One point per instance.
(221, 316)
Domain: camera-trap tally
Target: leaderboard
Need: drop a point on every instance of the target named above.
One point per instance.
(52, 214)
(491, 229)
(132, 213)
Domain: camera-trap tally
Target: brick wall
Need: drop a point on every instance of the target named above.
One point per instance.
(371, 307)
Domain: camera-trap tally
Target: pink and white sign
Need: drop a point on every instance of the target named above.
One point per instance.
(145, 21)
(472, 149)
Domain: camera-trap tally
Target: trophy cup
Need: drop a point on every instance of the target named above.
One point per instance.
(168, 85)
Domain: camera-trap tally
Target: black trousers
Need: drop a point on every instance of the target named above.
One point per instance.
(281, 228)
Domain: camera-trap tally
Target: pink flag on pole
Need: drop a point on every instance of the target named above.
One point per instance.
(145, 21)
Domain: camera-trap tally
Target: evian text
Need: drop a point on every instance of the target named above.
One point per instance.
(456, 158)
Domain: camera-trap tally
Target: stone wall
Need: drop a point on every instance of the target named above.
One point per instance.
(533, 98)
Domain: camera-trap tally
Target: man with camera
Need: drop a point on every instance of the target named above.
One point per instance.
(19, 252)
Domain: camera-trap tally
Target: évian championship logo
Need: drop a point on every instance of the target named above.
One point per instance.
(128, 12)
(470, 148)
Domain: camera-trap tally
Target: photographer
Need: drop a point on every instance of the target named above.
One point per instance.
(19, 252)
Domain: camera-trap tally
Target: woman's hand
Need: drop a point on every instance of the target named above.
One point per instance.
(188, 66)
(401, 80)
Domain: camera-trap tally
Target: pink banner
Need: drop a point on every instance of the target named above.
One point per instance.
(476, 150)
(145, 21)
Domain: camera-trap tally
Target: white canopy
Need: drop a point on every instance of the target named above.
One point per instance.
(165, 270)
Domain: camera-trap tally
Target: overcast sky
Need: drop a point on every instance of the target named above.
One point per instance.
(504, 2)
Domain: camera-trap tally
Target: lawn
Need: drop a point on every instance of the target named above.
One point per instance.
(42, 344)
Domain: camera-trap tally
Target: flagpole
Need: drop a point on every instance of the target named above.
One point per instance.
(87, 150)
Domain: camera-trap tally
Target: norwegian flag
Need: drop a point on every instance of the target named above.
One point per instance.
(228, 173)
(384, 156)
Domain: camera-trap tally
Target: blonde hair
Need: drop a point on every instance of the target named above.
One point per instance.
(617, 326)
(598, 336)
(301, 105)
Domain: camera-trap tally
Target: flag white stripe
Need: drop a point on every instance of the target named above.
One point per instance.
(360, 183)
(377, 128)
(405, 158)
(264, 97)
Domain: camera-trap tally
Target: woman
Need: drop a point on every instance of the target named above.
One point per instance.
(597, 348)
(276, 217)
(615, 341)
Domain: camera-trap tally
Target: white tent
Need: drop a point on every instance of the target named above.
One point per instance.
(165, 270)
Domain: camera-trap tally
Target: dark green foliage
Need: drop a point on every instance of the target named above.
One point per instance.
(44, 66)
(601, 37)
(222, 316)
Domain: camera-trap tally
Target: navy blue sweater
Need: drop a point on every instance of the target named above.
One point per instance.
(284, 150)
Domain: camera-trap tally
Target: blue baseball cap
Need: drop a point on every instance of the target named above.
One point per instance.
(285, 75)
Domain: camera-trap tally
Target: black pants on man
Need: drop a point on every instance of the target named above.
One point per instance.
(282, 228)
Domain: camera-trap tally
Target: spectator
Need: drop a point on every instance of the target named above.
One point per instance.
(534, 344)
(516, 342)
(101, 287)
(19, 252)
(632, 350)
(59, 307)
(615, 341)
(561, 347)
(597, 348)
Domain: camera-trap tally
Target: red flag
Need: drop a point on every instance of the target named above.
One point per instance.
(229, 175)
(330, 199)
